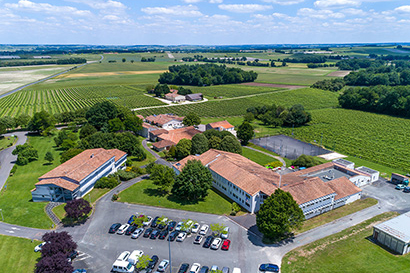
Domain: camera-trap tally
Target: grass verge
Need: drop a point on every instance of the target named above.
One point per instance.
(337, 213)
(17, 254)
(347, 251)
(146, 193)
(257, 157)
(6, 142)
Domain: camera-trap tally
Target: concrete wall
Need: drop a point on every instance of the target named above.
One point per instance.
(360, 180)
(391, 242)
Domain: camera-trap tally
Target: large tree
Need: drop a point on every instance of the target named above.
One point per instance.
(193, 182)
(40, 122)
(183, 148)
(200, 144)
(56, 263)
(70, 153)
(231, 144)
(245, 132)
(191, 119)
(162, 176)
(214, 142)
(57, 242)
(77, 209)
(100, 113)
(87, 130)
(279, 215)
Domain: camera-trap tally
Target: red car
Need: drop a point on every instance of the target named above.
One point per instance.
(226, 244)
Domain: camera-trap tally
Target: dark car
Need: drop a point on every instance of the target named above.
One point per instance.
(154, 223)
(152, 263)
(130, 230)
(183, 268)
(147, 232)
(173, 235)
(406, 189)
(208, 241)
(131, 219)
(114, 228)
(171, 225)
(163, 224)
(204, 269)
(163, 234)
(268, 268)
(154, 234)
(72, 255)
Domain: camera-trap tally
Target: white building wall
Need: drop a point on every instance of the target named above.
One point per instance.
(360, 180)
(317, 206)
(173, 124)
(346, 200)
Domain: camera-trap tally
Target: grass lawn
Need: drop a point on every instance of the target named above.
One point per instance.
(17, 254)
(146, 193)
(15, 201)
(150, 158)
(257, 157)
(6, 142)
(337, 213)
(347, 251)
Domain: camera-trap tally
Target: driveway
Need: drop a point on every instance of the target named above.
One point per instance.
(159, 160)
(7, 160)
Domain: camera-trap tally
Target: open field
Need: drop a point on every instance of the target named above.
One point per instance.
(257, 157)
(15, 201)
(105, 74)
(146, 193)
(17, 254)
(347, 251)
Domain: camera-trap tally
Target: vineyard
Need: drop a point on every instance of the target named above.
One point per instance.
(67, 99)
(378, 138)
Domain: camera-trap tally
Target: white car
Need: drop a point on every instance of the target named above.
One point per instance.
(204, 230)
(179, 226)
(148, 222)
(214, 268)
(195, 228)
(124, 256)
(122, 229)
(163, 265)
(225, 233)
(181, 237)
(195, 268)
(135, 256)
(38, 248)
(216, 243)
(137, 233)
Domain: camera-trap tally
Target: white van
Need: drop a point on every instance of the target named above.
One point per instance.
(135, 256)
(123, 256)
(225, 233)
(122, 266)
(236, 270)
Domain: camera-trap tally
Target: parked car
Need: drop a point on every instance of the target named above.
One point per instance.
(183, 268)
(173, 235)
(147, 232)
(216, 243)
(195, 268)
(225, 245)
(179, 226)
(208, 241)
(214, 268)
(154, 223)
(114, 228)
(38, 247)
(72, 255)
(122, 229)
(268, 268)
(163, 265)
(225, 270)
(152, 263)
(130, 230)
(400, 186)
(137, 233)
(148, 222)
(154, 234)
(122, 266)
(123, 256)
(236, 270)
(204, 269)
(163, 234)
(188, 225)
(163, 223)
(181, 237)
(134, 216)
(80, 271)
(195, 228)
(171, 225)
(406, 189)
(135, 256)
(204, 229)
(225, 233)
(198, 239)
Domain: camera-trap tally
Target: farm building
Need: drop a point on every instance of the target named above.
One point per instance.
(399, 178)
(394, 233)
(165, 121)
(171, 138)
(174, 96)
(194, 97)
(77, 176)
(221, 126)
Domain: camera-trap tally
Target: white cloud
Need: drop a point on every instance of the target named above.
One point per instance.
(244, 8)
(191, 1)
(215, 1)
(320, 14)
(25, 5)
(403, 9)
(186, 11)
(110, 4)
(336, 3)
(284, 2)
(354, 12)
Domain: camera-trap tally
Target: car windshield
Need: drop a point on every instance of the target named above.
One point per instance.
(129, 266)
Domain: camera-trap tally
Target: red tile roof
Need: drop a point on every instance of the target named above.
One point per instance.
(178, 134)
(159, 132)
(140, 117)
(225, 124)
(65, 184)
(343, 187)
(162, 119)
(308, 190)
(163, 144)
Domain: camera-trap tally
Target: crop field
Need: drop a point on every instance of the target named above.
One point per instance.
(127, 66)
(309, 98)
(231, 90)
(67, 99)
(378, 138)
(136, 57)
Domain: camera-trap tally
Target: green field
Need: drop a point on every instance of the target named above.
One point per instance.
(146, 193)
(257, 157)
(15, 200)
(17, 254)
(6, 142)
(347, 251)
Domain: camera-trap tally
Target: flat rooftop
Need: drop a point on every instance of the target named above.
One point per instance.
(367, 170)
(343, 162)
(330, 174)
(397, 227)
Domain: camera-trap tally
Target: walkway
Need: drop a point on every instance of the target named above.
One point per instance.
(23, 232)
(268, 154)
(158, 160)
(7, 160)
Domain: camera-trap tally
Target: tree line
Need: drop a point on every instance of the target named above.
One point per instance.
(278, 115)
(205, 74)
(43, 62)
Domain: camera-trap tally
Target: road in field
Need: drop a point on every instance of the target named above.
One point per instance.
(170, 55)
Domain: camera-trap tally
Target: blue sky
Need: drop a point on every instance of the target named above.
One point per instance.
(203, 22)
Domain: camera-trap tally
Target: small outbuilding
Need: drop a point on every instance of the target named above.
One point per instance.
(194, 97)
(394, 233)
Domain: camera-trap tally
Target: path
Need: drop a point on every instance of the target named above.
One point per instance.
(23, 232)
(170, 55)
(158, 160)
(268, 154)
(276, 85)
(7, 160)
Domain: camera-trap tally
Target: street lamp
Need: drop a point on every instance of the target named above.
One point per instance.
(169, 250)
(2, 218)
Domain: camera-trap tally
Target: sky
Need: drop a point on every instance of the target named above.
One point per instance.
(203, 22)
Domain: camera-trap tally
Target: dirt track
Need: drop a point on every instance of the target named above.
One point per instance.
(340, 73)
(101, 74)
(274, 85)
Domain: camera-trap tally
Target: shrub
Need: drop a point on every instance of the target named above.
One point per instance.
(114, 197)
(125, 176)
(274, 164)
(14, 169)
(106, 183)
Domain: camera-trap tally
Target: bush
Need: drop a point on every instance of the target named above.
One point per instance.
(235, 209)
(306, 161)
(14, 169)
(106, 183)
(125, 176)
(274, 164)
(114, 197)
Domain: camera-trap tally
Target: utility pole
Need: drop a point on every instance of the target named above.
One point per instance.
(169, 250)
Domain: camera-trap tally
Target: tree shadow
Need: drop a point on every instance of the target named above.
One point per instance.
(47, 163)
(154, 192)
(177, 199)
(371, 239)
